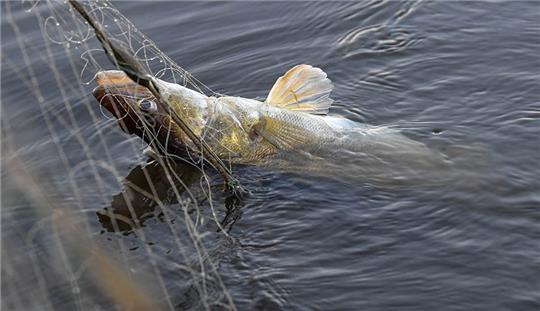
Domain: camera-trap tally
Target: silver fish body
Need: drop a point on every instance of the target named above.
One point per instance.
(289, 130)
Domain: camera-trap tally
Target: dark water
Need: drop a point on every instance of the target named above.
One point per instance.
(447, 73)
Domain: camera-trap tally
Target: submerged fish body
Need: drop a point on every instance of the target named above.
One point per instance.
(290, 129)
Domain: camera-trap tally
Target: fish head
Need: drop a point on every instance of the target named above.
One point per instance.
(135, 108)
(123, 98)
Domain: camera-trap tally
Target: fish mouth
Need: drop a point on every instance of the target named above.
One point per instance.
(121, 96)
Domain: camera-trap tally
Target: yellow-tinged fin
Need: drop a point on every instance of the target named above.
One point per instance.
(303, 88)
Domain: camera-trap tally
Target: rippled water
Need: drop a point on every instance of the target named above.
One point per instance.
(447, 73)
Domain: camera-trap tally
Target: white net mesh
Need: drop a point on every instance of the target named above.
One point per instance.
(64, 159)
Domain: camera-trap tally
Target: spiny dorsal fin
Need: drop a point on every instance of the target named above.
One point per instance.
(302, 88)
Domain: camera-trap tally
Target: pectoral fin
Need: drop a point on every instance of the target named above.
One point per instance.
(302, 88)
(277, 134)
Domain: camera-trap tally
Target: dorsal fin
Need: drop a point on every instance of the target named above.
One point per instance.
(302, 88)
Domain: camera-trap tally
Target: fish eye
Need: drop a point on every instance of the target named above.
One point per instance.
(147, 105)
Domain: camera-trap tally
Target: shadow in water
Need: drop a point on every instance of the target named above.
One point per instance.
(145, 187)
(142, 190)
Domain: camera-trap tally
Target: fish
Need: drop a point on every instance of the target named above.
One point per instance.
(291, 129)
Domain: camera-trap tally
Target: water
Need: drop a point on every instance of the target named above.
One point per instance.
(447, 73)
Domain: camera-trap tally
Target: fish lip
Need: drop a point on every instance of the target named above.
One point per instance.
(110, 102)
(112, 77)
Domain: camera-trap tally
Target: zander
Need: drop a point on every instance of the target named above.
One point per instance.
(290, 129)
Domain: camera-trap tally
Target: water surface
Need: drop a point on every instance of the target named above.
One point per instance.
(458, 73)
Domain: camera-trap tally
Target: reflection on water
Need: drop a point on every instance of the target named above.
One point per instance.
(149, 185)
(143, 189)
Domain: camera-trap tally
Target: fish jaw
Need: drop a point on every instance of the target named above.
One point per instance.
(121, 96)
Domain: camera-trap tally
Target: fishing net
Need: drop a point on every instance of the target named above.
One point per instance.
(103, 224)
